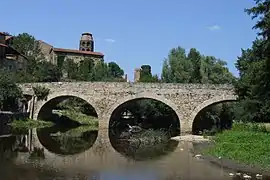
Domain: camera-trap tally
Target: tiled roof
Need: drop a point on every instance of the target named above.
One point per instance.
(77, 51)
(3, 45)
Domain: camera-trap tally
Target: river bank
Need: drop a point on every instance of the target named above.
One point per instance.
(245, 148)
(79, 117)
(87, 121)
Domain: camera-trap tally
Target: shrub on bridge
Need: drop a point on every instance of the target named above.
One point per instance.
(41, 92)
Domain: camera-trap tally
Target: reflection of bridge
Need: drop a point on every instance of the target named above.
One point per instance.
(100, 155)
(103, 158)
(185, 99)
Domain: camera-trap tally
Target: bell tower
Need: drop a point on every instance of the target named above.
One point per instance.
(87, 42)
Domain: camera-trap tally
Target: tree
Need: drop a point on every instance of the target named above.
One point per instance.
(86, 68)
(114, 70)
(195, 58)
(254, 68)
(10, 93)
(47, 72)
(176, 68)
(27, 45)
(146, 74)
(100, 71)
(37, 69)
(71, 68)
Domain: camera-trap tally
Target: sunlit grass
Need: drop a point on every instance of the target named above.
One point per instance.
(79, 117)
(244, 143)
(29, 124)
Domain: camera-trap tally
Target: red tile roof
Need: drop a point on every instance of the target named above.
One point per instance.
(3, 45)
(78, 52)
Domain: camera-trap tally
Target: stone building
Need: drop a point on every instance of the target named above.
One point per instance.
(86, 50)
(10, 57)
(137, 74)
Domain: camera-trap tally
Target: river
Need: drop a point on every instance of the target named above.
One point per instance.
(53, 153)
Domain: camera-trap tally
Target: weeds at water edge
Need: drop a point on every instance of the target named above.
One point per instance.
(247, 143)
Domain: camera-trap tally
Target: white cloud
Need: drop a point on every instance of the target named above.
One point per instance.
(214, 28)
(110, 40)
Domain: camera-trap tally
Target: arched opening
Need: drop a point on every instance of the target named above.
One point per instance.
(142, 128)
(75, 125)
(213, 117)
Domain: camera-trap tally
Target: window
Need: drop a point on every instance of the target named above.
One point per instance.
(83, 49)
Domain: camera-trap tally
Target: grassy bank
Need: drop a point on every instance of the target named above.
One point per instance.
(244, 143)
(79, 117)
(29, 124)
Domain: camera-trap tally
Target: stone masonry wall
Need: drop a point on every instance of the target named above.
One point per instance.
(77, 57)
(186, 99)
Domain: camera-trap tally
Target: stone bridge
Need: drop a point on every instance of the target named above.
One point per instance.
(187, 100)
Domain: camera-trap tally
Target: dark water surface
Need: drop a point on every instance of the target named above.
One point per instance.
(54, 153)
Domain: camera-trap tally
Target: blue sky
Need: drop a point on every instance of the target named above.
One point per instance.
(133, 33)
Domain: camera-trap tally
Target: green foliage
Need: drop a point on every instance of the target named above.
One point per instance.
(77, 104)
(194, 68)
(41, 92)
(245, 143)
(36, 70)
(29, 124)
(251, 127)
(71, 68)
(114, 70)
(27, 45)
(150, 109)
(10, 93)
(88, 70)
(146, 74)
(81, 118)
(253, 84)
(47, 72)
(60, 61)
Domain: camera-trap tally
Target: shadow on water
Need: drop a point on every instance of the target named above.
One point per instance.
(139, 150)
(28, 172)
(142, 152)
(66, 141)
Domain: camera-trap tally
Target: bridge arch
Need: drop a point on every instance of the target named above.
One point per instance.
(147, 95)
(53, 96)
(209, 102)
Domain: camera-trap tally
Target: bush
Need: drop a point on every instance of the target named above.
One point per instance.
(253, 127)
(41, 92)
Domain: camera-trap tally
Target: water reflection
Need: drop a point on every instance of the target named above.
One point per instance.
(8, 148)
(140, 152)
(66, 141)
(176, 163)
